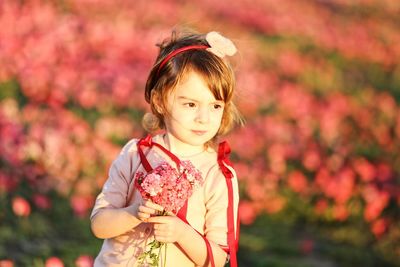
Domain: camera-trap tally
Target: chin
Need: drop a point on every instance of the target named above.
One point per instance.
(194, 142)
(200, 143)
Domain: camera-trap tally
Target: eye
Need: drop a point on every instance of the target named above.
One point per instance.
(218, 106)
(190, 104)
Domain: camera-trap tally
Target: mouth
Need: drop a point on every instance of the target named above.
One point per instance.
(199, 132)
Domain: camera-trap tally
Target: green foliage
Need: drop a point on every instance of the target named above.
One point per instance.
(280, 241)
(29, 241)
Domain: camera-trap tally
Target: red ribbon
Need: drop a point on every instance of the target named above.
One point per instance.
(148, 142)
(233, 241)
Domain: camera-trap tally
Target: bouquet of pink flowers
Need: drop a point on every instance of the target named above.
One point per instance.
(169, 188)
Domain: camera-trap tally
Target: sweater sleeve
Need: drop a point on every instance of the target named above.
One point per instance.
(216, 223)
(115, 190)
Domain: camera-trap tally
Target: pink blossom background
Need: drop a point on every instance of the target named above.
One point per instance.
(317, 83)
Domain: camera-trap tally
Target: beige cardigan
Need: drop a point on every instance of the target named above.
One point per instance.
(207, 207)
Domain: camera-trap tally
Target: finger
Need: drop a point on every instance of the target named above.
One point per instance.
(147, 210)
(163, 238)
(143, 216)
(160, 239)
(150, 204)
(161, 227)
(170, 213)
(159, 233)
(159, 219)
(151, 211)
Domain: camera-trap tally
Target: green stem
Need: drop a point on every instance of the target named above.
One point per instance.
(159, 253)
(165, 254)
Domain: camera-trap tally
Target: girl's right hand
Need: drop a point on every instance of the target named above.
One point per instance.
(149, 209)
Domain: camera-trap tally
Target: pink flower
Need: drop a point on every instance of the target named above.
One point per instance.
(340, 212)
(274, 204)
(42, 201)
(321, 206)
(323, 177)
(168, 187)
(276, 153)
(291, 63)
(220, 45)
(297, 182)
(365, 169)
(247, 212)
(81, 204)
(84, 261)
(345, 181)
(7, 183)
(256, 191)
(376, 202)
(152, 185)
(384, 172)
(374, 209)
(54, 262)
(311, 160)
(6, 263)
(306, 246)
(379, 227)
(21, 207)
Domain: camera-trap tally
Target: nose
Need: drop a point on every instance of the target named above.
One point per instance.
(203, 115)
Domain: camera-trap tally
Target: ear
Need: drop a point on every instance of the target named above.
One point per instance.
(157, 102)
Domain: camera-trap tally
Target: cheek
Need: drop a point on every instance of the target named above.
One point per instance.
(182, 115)
(217, 117)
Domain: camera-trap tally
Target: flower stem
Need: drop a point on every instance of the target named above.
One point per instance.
(165, 254)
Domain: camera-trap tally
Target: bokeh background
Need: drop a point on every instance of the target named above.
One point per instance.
(318, 160)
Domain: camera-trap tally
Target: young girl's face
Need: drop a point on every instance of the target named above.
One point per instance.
(194, 115)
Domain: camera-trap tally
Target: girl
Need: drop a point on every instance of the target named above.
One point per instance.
(190, 90)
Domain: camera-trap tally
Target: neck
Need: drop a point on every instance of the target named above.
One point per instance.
(179, 148)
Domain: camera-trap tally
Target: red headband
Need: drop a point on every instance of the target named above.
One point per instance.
(177, 51)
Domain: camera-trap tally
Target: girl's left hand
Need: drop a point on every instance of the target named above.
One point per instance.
(148, 209)
(167, 229)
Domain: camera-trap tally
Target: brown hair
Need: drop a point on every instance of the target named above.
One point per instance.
(216, 72)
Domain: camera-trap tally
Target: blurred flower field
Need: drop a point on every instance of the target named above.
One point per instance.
(318, 160)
